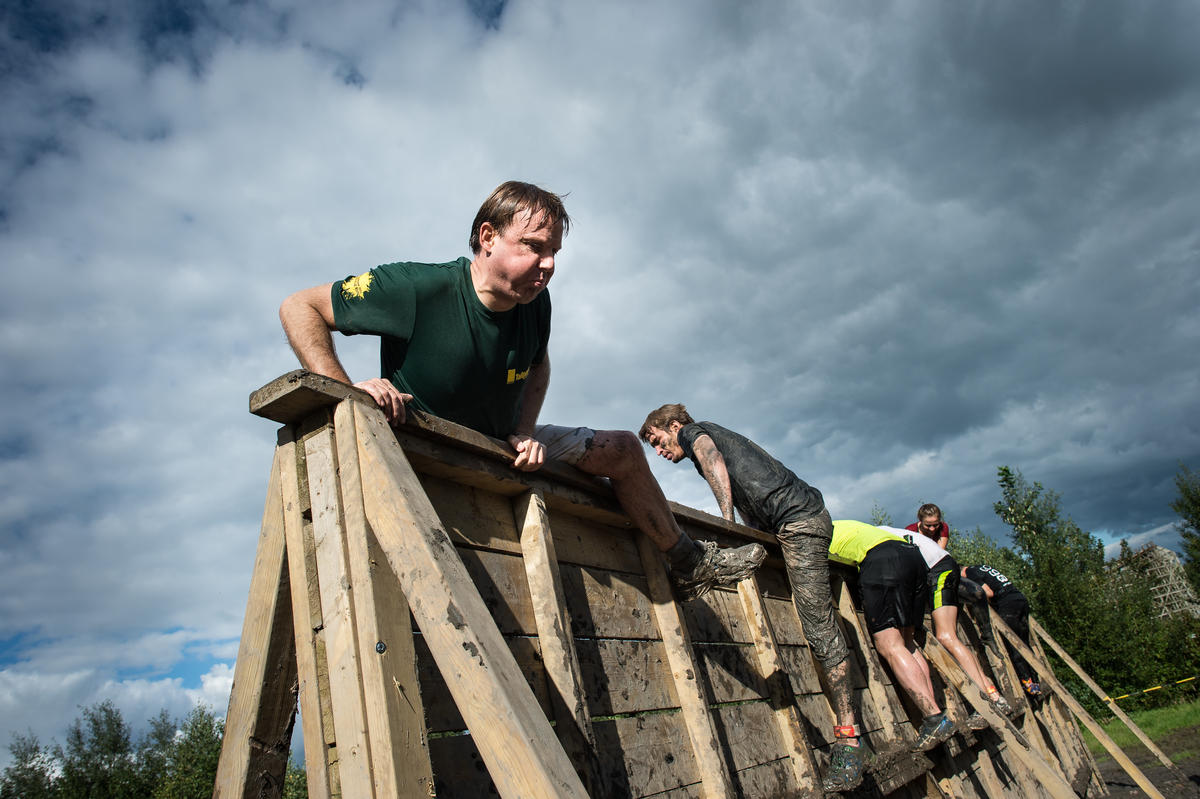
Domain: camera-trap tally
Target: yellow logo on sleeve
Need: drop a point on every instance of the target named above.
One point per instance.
(515, 376)
(357, 287)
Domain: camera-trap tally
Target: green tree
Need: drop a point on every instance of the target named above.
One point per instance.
(190, 767)
(31, 773)
(99, 761)
(1187, 505)
(295, 782)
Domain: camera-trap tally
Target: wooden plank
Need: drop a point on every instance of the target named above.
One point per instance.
(710, 757)
(315, 715)
(777, 684)
(1084, 717)
(262, 707)
(295, 395)
(514, 738)
(441, 710)
(1076, 758)
(625, 676)
(337, 615)
(500, 579)
(647, 755)
(573, 721)
(606, 604)
(395, 713)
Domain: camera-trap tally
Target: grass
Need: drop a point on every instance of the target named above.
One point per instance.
(1157, 723)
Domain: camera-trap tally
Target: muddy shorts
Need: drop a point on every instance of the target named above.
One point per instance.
(805, 545)
(894, 591)
(566, 444)
(943, 583)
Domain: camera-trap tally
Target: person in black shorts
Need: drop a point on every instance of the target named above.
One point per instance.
(770, 497)
(1013, 607)
(892, 575)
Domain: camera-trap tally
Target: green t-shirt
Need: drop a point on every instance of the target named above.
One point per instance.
(852, 540)
(438, 342)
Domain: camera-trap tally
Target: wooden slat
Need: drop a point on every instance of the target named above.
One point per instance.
(777, 684)
(315, 714)
(606, 604)
(337, 615)
(395, 712)
(572, 718)
(648, 755)
(710, 757)
(1068, 742)
(516, 741)
(625, 676)
(262, 707)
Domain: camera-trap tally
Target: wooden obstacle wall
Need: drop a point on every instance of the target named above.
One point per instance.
(450, 626)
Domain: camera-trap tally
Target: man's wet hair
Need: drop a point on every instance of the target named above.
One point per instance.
(662, 419)
(512, 199)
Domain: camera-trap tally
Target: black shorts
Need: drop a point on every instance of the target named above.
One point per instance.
(894, 591)
(943, 583)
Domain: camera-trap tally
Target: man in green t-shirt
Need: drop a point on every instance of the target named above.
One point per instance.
(467, 340)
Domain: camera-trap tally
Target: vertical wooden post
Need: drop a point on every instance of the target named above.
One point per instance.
(394, 710)
(572, 717)
(710, 757)
(262, 705)
(779, 687)
(315, 713)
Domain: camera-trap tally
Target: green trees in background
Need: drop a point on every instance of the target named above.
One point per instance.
(1099, 612)
(1187, 505)
(174, 760)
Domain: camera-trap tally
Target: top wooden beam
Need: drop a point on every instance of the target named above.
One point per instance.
(292, 397)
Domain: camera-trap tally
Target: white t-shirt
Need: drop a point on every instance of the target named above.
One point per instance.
(929, 548)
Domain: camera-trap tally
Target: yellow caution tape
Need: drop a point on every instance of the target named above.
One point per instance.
(1153, 688)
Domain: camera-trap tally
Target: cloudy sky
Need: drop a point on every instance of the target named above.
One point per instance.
(898, 244)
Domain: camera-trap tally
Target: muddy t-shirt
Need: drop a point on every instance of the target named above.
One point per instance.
(440, 343)
(765, 492)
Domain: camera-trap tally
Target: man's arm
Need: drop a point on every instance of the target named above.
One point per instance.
(530, 452)
(712, 466)
(307, 318)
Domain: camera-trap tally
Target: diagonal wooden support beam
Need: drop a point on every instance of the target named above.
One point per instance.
(1090, 683)
(1084, 717)
(1049, 777)
(515, 740)
(262, 704)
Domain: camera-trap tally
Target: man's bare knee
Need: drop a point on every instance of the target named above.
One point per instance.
(614, 454)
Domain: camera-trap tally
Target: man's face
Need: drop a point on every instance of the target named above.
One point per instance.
(666, 442)
(520, 261)
(931, 526)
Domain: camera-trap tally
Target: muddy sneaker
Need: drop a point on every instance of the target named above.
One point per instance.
(1001, 704)
(933, 731)
(717, 567)
(976, 722)
(846, 766)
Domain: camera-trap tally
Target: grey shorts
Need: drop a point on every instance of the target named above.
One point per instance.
(805, 545)
(566, 444)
